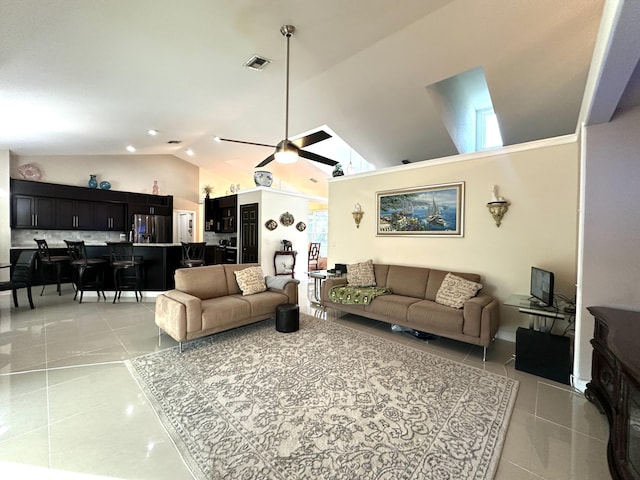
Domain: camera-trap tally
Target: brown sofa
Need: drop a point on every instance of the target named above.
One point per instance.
(412, 304)
(208, 300)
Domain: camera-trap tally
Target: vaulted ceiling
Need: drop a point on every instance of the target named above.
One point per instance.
(82, 77)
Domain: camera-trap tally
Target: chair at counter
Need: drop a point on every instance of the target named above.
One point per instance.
(121, 258)
(193, 254)
(314, 255)
(21, 276)
(48, 260)
(82, 266)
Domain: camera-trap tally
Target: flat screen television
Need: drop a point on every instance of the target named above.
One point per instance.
(542, 287)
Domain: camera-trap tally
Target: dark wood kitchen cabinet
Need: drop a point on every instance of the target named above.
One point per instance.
(150, 204)
(220, 214)
(32, 212)
(68, 207)
(74, 214)
(109, 216)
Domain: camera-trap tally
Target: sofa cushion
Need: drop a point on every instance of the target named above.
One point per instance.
(380, 271)
(250, 280)
(265, 303)
(455, 290)
(202, 282)
(392, 306)
(408, 281)
(223, 313)
(426, 314)
(361, 274)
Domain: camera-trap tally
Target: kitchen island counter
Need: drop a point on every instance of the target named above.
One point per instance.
(160, 262)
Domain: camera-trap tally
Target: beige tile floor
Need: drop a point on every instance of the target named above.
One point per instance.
(69, 409)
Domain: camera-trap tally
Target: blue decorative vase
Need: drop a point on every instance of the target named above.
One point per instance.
(93, 183)
(105, 185)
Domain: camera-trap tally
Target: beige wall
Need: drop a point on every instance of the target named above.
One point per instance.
(272, 204)
(5, 212)
(539, 179)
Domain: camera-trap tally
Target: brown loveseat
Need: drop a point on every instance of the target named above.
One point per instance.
(208, 300)
(412, 304)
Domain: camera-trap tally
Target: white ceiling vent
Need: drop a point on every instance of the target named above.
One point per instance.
(257, 63)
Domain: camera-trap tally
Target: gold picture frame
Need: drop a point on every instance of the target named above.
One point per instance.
(427, 211)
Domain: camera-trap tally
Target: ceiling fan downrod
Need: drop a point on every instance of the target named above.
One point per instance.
(287, 31)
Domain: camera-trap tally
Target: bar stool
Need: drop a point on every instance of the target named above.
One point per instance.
(121, 258)
(82, 264)
(193, 254)
(48, 260)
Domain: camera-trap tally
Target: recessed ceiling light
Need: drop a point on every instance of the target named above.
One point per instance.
(189, 152)
(153, 132)
(217, 139)
(131, 148)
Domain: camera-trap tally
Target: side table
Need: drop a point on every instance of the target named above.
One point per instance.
(318, 276)
(285, 268)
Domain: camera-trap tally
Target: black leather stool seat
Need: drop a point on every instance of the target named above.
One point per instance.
(287, 318)
(82, 265)
(122, 259)
(46, 259)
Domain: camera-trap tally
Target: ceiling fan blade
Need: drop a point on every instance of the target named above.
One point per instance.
(266, 160)
(246, 143)
(311, 139)
(317, 158)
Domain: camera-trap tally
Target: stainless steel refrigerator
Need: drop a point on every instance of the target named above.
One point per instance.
(152, 228)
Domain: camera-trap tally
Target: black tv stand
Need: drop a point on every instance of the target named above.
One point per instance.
(538, 351)
(544, 354)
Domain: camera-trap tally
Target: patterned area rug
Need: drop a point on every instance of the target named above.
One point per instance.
(325, 402)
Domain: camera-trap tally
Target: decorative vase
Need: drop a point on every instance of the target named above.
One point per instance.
(93, 183)
(155, 189)
(105, 185)
(262, 178)
(337, 171)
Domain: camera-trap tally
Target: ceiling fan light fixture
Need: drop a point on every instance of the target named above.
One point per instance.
(285, 155)
(286, 152)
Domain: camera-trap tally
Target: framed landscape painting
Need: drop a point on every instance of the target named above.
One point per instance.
(434, 211)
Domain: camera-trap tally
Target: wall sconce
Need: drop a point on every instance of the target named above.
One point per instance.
(498, 206)
(357, 214)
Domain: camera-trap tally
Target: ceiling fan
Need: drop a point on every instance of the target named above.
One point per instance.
(287, 151)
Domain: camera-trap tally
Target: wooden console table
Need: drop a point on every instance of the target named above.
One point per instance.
(285, 268)
(615, 386)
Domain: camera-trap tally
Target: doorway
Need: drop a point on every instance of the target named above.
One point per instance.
(183, 225)
(249, 233)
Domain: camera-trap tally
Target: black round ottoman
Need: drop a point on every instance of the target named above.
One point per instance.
(287, 318)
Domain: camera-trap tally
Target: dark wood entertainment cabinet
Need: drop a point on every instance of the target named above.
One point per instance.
(615, 385)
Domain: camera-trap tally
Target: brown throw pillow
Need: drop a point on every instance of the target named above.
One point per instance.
(455, 290)
(361, 274)
(250, 280)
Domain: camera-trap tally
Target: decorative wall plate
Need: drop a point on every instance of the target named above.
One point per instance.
(271, 224)
(301, 226)
(287, 219)
(29, 172)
